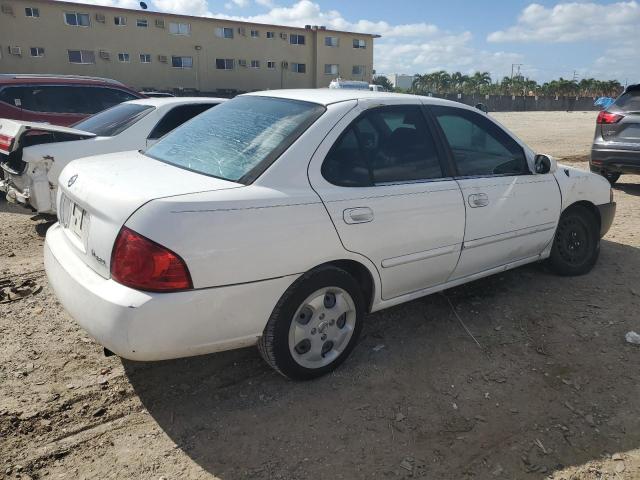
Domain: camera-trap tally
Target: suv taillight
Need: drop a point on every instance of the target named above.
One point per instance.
(140, 263)
(607, 118)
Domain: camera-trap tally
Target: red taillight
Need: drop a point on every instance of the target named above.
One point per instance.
(140, 263)
(5, 142)
(607, 118)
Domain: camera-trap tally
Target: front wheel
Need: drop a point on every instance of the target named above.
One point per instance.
(576, 245)
(315, 325)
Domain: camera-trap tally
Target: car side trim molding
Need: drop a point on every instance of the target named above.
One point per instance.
(416, 257)
(481, 242)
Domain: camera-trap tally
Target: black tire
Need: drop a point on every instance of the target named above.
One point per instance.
(612, 177)
(576, 244)
(274, 343)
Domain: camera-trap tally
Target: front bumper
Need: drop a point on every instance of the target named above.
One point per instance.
(614, 160)
(607, 213)
(157, 326)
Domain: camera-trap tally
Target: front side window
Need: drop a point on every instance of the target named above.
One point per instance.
(359, 43)
(141, 22)
(225, 63)
(296, 39)
(76, 19)
(81, 56)
(299, 67)
(176, 117)
(331, 69)
(238, 139)
(224, 32)
(181, 62)
(479, 146)
(123, 57)
(120, 21)
(331, 41)
(114, 120)
(37, 51)
(386, 145)
(180, 28)
(145, 58)
(32, 12)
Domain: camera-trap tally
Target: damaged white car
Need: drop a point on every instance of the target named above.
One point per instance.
(32, 155)
(282, 218)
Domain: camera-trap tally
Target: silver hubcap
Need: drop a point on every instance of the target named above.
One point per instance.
(322, 327)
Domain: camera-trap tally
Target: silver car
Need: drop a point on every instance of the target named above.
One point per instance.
(616, 145)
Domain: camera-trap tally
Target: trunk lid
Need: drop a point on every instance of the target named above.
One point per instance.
(96, 196)
(16, 135)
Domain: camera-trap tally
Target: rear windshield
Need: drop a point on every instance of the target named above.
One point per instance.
(629, 101)
(114, 120)
(238, 139)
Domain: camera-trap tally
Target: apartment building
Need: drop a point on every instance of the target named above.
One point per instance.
(152, 50)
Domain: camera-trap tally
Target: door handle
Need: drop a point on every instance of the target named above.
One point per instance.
(478, 200)
(358, 215)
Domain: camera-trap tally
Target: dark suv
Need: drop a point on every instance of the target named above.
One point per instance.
(616, 146)
(58, 99)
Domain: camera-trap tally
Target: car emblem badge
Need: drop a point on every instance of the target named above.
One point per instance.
(72, 180)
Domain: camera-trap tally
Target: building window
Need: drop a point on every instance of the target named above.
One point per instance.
(120, 21)
(180, 29)
(225, 63)
(255, 33)
(145, 58)
(271, 65)
(331, 41)
(32, 12)
(81, 56)
(224, 32)
(359, 43)
(330, 69)
(296, 39)
(357, 70)
(37, 51)
(255, 64)
(182, 62)
(123, 57)
(299, 67)
(76, 19)
(271, 34)
(141, 22)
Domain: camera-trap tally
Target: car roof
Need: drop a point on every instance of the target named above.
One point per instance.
(163, 101)
(327, 96)
(26, 78)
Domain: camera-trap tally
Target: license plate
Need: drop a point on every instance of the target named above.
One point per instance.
(77, 220)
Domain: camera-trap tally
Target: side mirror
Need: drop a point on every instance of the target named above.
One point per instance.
(544, 164)
(482, 107)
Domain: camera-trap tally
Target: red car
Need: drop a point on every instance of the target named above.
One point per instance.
(58, 99)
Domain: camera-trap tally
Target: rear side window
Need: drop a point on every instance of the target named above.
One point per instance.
(479, 146)
(387, 145)
(64, 98)
(629, 101)
(176, 117)
(114, 120)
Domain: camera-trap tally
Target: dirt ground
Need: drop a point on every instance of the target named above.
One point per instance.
(553, 390)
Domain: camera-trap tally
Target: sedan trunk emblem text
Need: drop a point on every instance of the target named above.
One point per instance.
(72, 180)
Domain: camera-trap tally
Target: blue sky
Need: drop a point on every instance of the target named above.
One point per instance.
(598, 39)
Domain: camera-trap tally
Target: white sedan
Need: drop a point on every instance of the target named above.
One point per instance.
(281, 218)
(32, 155)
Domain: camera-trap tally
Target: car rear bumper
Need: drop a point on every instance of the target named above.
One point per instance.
(614, 160)
(157, 326)
(607, 213)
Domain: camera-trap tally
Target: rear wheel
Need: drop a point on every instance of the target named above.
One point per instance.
(315, 325)
(612, 177)
(577, 242)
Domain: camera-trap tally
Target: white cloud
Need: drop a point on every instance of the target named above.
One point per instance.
(571, 22)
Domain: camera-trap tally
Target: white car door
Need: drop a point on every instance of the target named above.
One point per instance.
(512, 213)
(387, 188)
